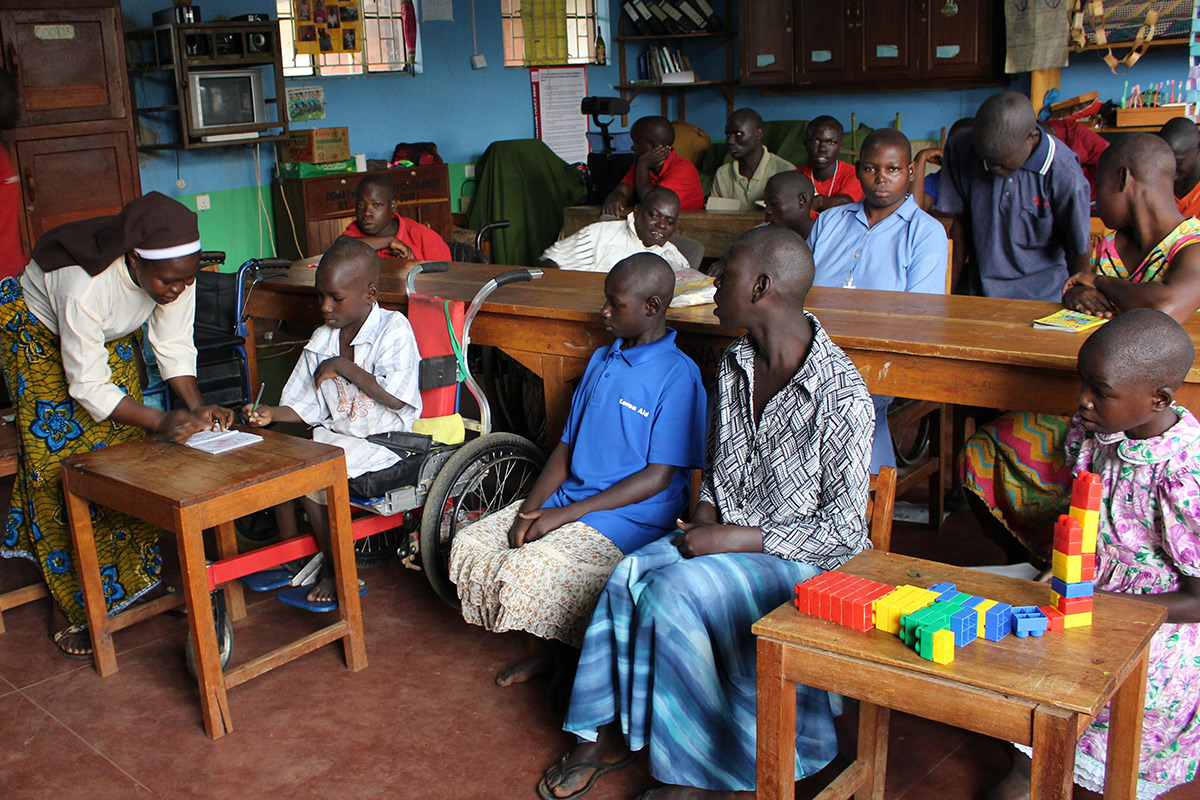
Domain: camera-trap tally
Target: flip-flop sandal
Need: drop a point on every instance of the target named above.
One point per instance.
(58, 637)
(267, 579)
(297, 597)
(562, 771)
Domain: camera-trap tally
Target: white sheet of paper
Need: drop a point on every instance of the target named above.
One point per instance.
(221, 441)
(437, 11)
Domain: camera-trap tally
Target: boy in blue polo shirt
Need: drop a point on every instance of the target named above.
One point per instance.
(617, 480)
(1021, 204)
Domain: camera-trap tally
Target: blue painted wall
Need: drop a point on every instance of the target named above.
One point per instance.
(463, 110)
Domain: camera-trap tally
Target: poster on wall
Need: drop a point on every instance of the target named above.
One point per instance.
(305, 103)
(557, 92)
(327, 26)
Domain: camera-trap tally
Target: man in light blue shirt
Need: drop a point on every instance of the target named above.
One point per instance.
(884, 242)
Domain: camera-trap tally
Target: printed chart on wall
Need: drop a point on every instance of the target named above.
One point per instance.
(327, 26)
(557, 92)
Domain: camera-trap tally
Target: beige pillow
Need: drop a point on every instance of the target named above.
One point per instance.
(691, 141)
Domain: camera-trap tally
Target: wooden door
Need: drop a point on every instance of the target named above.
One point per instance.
(824, 31)
(68, 64)
(766, 42)
(74, 177)
(959, 46)
(884, 28)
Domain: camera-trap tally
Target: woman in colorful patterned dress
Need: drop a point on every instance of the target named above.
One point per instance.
(69, 326)
(1146, 451)
(1014, 465)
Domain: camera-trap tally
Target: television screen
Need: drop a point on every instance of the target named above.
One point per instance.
(226, 100)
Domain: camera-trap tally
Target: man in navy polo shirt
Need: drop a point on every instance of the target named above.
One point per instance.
(1021, 204)
(617, 480)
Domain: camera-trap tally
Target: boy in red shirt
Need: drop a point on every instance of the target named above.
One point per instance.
(836, 183)
(378, 224)
(657, 165)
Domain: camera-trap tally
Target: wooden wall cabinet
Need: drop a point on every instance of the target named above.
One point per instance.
(73, 147)
(867, 43)
(312, 212)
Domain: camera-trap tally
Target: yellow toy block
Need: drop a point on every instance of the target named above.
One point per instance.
(1077, 620)
(887, 609)
(1088, 520)
(981, 610)
(1070, 569)
(943, 646)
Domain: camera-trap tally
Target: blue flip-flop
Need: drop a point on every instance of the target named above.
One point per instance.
(297, 597)
(267, 579)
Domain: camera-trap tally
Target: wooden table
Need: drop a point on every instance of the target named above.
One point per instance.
(950, 349)
(716, 230)
(186, 491)
(1040, 692)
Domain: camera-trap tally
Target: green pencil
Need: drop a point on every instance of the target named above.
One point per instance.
(258, 399)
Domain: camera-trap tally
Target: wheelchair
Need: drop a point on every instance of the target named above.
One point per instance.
(456, 479)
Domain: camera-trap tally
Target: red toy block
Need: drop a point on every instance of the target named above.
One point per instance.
(1086, 491)
(1073, 605)
(1054, 617)
(1087, 572)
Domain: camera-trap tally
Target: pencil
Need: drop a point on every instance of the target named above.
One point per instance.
(258, 399)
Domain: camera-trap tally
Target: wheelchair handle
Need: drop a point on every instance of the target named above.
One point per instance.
(212, 256)
(487, 228)
(517, 276)
(430, 267)
(274, 263)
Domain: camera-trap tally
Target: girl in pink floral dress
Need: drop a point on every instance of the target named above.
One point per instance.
(1146, 451)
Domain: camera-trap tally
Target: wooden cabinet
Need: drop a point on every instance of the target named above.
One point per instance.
(311, 212)
(868, 43)
(73, 147)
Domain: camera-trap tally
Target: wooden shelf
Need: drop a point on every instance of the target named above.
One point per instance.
(629, 91)
(653, 36)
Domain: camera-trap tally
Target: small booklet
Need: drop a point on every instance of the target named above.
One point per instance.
(1067, 320)
(221, 441)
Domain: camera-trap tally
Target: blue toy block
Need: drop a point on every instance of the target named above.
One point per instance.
(1076, 589)
(997, 622)
(974, 602)
(943, 589)
(953, 598)
(1029, 621)
(965, 624)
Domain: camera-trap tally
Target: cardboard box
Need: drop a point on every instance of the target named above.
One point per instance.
(1148, 117)
(319, 145)
(300, 169)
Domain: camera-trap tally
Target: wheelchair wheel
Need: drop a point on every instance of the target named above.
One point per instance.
(224, 624)
(911, 445)
(482, 477)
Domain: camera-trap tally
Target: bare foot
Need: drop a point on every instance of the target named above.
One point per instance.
(72, 644)
(585, 764)
(1015, 785)
(323, 591)
(531, 666)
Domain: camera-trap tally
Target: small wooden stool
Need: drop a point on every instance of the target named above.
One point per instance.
(186, 491)
(1041, 692)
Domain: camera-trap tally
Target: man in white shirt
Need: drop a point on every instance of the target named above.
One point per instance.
(599, 246)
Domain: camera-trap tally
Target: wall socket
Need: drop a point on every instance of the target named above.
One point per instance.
(468, 170)
(203, 202)
(478, 61)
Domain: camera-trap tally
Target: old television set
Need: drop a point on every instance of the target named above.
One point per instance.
(222, 100)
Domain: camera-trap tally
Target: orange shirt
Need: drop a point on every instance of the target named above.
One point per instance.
(1189, 204)
(844, 181)
(677, 174)
(425, 244)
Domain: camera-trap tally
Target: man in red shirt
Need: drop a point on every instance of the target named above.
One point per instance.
(393, 236)
(657, 165)
(836, 183)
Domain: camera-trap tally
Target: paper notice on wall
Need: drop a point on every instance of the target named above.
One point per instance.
(437, 11)
(557, 92)
(1037, 35)
(327, 26)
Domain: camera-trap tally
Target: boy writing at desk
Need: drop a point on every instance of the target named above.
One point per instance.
(357, 377)
(377, 223)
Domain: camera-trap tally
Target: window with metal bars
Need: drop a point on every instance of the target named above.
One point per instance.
(385, 46)
(547, 32)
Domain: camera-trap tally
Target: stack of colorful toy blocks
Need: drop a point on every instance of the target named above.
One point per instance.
(1074, 559)
(838, 597)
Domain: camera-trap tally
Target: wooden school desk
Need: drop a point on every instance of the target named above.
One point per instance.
(1039, 692)
(716, 230)
(186, 491)
(947, 348)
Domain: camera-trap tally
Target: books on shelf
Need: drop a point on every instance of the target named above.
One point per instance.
(665, 65)
(671, 17)
(1067, 320)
